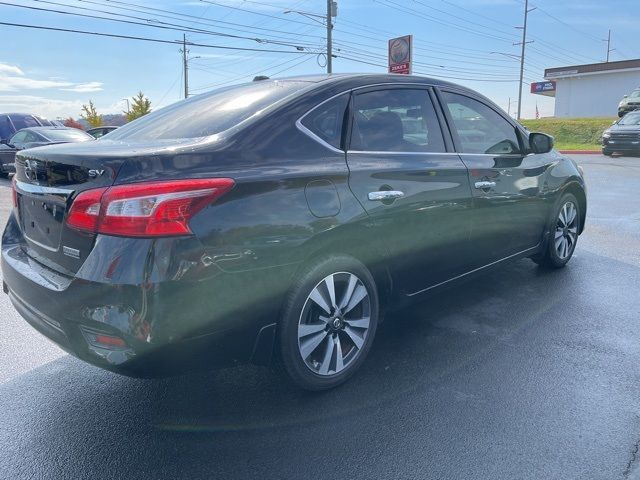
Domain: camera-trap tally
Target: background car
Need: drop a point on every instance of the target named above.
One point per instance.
(278, 218)
(36, 137)
(629, 103)
(10, 123)
(623, 136)
(100, 131)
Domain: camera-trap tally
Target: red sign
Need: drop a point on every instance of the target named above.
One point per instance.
(400, 54)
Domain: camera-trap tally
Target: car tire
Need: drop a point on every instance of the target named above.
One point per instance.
(329, 322)
(565, 225)
(607, 153)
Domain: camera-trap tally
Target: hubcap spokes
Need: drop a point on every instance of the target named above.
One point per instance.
(334, 323)
(566, 232)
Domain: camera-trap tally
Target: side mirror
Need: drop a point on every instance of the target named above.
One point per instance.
(4, 141)
(625, 96)
(541, 142)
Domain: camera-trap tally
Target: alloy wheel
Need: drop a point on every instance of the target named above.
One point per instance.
(334, 323)
(566, 232)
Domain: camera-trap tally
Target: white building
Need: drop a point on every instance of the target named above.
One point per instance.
(592, 90)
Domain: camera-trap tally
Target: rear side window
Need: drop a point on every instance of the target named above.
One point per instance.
(24, 121)
(480, 129)
(209, 113)
(6, 130)
(396, 120)
(326, 121)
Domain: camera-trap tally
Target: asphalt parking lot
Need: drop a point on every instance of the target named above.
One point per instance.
(520, 373)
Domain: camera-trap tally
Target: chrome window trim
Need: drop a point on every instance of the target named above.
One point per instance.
(375, 152)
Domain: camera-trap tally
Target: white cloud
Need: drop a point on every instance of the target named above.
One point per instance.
(13, 79)
(13, 84)
(47, 107)
(85, 87)
(5, 69)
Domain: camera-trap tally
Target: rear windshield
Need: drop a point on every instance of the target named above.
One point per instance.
(207, 114)
(71, 135)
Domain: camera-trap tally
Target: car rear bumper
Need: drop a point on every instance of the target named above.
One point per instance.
(166, 326)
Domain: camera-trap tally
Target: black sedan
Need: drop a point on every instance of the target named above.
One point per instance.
(36, 137)
(278, 220)
(623, 136)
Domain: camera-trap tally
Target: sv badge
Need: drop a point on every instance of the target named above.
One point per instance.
(95, 173)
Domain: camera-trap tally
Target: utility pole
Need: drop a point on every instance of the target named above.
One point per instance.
(185, 65)
(609, 49)
(523, 44)
(330, 15)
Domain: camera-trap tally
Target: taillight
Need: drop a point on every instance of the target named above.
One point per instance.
(155, 209)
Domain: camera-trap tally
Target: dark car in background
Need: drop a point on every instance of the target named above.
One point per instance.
(10, 123)
(98, 132)
(629, 103)
(36, 137)
(623, 136)
(281, 217)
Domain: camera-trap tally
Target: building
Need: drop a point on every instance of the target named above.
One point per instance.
(592, 90)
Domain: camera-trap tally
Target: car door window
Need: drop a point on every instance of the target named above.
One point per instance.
(480, 129)
(395, 120)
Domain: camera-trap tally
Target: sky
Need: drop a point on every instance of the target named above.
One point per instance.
(470, 42)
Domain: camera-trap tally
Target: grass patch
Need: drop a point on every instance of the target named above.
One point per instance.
(572, 133)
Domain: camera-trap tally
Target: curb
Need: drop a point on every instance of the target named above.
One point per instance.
(582, 152)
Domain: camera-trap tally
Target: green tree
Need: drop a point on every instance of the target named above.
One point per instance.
(140, 106)
(90, 114)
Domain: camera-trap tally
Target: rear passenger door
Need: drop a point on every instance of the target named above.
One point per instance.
(509, 209)
(414, 188)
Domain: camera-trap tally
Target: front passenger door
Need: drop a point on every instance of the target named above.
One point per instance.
(507, 183)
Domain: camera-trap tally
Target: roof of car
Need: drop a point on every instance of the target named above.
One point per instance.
(366, 77)
(44, 128)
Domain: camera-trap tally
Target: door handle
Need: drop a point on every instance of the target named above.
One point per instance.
(485, 184)
(385, 195)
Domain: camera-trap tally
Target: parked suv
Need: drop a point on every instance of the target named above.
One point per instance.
(10, 123)
(623, 136)
(629, 103)
(278, 218)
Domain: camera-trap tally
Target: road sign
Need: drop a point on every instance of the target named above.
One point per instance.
(401, 54)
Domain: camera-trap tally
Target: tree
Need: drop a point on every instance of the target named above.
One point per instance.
(71, 122)
(140, 106)
(90, 114)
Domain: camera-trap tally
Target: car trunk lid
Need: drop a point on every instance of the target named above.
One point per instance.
(47, 181)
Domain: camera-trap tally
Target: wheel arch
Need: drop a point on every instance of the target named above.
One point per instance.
(577, 190)
(358, 244)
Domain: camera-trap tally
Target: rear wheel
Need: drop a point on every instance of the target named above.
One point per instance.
(329, 322)
(564, 234)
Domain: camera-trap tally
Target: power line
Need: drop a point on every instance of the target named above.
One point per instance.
(157, 24)
(156, 40)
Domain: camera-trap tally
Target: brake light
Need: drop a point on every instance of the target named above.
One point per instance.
(154, 209)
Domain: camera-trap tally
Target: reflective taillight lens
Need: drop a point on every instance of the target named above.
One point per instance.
(155, 209)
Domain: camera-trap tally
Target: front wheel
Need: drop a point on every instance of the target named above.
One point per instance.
(564, 233)
(329, 322)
